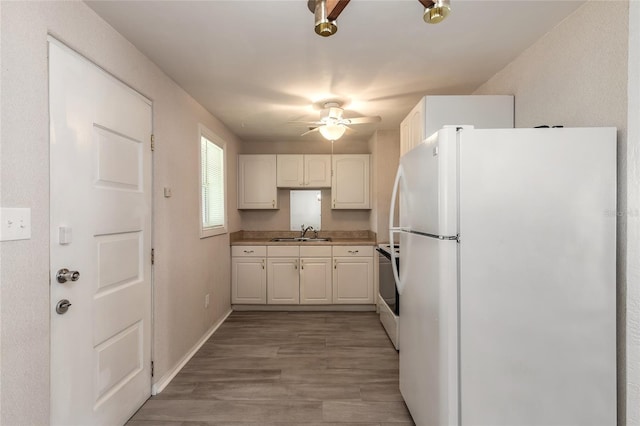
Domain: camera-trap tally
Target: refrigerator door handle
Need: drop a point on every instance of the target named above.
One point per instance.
(393, 230)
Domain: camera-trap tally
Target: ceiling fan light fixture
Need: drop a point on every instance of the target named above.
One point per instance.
(437, 11)
(332, 132)
(323, 26)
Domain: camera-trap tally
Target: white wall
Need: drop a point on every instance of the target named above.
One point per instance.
(633, 223)
(186, 267)
(576, 75)
(385, 157)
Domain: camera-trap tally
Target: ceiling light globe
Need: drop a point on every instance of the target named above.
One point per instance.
(437, 12)
(332, 132)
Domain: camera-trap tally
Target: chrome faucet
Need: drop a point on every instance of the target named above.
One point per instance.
(305, 230)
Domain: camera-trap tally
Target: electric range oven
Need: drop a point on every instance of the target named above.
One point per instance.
(388, 297)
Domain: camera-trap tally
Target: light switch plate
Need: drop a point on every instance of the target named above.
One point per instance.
(15, 224)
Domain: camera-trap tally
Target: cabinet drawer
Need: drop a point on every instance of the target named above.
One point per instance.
(248, 251)
(352, 251)
(315, 251)
(283, 251)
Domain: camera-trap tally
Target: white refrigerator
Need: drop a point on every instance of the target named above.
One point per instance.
(508, 280)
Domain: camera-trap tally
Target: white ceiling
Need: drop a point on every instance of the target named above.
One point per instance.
(258, 64)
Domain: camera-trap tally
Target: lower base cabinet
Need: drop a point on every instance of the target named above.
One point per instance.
(315, 281)
(283, 283)
(306, 275)
(248, 281)
(353, 275)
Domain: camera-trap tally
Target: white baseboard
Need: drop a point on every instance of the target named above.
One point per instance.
(166, 379)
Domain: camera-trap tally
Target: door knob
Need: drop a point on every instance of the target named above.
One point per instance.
(65, 275)
(63, 306)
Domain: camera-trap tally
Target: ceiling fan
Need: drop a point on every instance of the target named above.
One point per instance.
(332, 124)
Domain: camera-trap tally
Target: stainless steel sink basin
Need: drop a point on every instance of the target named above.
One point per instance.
(299, 240)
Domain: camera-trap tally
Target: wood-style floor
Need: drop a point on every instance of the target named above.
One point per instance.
(286, 368)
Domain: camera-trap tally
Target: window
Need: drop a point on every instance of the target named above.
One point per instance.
(213, 215)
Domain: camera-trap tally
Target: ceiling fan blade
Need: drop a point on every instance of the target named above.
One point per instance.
(310, 131)
(314, 123)
(362, 120)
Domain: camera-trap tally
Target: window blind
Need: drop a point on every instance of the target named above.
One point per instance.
(212, 169)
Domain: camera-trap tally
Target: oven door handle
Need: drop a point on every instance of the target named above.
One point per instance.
(393, 230)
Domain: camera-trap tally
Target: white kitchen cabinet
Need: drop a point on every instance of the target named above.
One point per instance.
(315, 275)
(257, 187)
(303, 171)
(434, 112)
(317, 171)
(283, 281)
(248, 275)
(350, 182)
(353, 275)
(412, 128)
(283, 277)
(290, 171)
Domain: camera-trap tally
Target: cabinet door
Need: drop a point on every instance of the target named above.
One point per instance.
(290, 171)
(315, 280)
(317, 171)
(353, 280)
(405, 135)
(283, 286)
(350, 182)
(257, 182)
(248, 280)
(417, 125)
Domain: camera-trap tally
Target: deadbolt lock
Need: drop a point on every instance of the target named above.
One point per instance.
(63, 306)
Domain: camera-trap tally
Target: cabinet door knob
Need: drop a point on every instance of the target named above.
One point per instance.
(262, 262)
(301, 264)
(273, 203)
(295, 264)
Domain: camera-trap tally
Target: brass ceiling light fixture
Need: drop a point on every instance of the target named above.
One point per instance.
(435, 11)
(326, 13)
(323, 26)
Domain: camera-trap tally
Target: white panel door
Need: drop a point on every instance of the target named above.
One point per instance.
(315, 280)
(283, 282)
(101, 196)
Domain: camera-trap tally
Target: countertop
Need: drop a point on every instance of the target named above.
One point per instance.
(338, 238)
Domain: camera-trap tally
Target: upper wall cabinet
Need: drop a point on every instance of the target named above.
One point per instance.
(257, 182)
(350, 182)
(304, 171)
(434, 112)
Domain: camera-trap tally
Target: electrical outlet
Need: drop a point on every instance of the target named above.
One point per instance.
(206, 300)
(15, 224)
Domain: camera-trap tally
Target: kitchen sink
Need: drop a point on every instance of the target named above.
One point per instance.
(299, 240)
